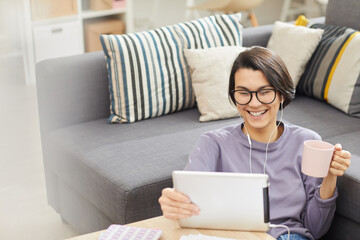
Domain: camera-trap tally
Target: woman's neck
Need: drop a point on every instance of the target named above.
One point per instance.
(263, 135)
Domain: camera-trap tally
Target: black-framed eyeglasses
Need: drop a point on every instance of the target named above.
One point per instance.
(265, 96)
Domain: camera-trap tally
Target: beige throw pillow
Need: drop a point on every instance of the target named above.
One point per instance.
(295, 45)
(210, 71)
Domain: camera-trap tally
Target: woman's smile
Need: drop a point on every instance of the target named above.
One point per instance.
(257, 114)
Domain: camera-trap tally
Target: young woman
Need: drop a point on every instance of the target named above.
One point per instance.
(260, 86)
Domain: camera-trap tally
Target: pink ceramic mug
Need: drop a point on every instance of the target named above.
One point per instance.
(316, 158)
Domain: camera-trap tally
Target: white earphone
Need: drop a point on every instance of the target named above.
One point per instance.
(267, 145)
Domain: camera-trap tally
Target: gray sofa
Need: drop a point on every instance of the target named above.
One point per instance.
(98, 174)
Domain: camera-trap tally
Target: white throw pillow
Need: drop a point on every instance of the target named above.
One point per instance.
(295, 45)
(210, 72)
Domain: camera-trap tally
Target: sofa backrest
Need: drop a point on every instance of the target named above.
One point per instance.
(343, 13)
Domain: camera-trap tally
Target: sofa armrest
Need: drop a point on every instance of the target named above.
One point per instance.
(72, 90)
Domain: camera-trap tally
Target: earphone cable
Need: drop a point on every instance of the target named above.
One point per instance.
(277, 126)
(250, 145)
(281, 226)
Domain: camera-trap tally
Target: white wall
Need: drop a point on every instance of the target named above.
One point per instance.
(173, 11)
(9, 27)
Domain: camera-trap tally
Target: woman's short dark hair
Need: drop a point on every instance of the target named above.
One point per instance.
(271, 65)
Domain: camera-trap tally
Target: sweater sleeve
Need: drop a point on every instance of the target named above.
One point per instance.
(205, 155)
(318, 213)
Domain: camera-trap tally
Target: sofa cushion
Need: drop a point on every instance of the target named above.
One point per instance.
(342, 228)
(210, 80)
(349, 140)
(121, 169)
(320, 117)
(148, 73)
(348, 203)
(295, 45)
(333, 72)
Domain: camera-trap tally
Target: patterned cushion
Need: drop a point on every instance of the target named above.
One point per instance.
(333, 72)
(213, 31)
(148, 72)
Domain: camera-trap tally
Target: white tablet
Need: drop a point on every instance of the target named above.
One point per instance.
(231, 201)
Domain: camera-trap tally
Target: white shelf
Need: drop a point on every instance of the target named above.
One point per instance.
(32, 27)
(87, 14)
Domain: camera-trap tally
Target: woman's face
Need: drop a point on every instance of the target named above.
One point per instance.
(257, 116)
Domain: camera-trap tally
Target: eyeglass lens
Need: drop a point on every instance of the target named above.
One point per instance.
(265, 96)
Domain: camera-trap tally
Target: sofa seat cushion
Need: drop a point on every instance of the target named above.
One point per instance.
(350, 140)
(348, 202)
(321, 117)
(342, 228)
(121, 169)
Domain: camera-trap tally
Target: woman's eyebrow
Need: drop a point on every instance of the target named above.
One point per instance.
(245, 88)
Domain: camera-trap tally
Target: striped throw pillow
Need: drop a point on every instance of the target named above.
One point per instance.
(148, 72)
(213, 31)
(333, 72)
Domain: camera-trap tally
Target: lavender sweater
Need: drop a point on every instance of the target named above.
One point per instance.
(294, 197)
